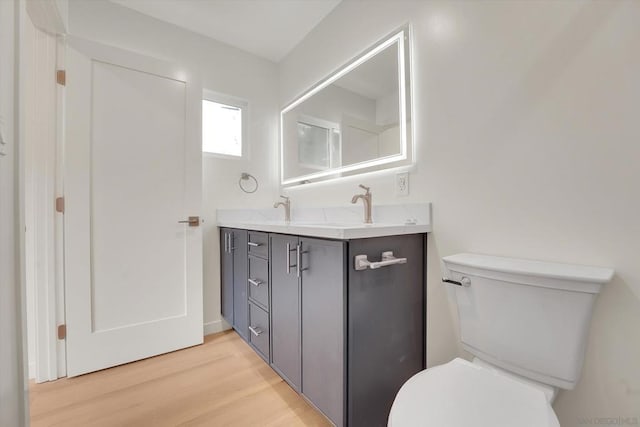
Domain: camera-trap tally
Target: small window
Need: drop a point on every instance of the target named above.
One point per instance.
(222, 125)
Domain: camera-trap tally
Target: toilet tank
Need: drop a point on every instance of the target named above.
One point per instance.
(528, 317)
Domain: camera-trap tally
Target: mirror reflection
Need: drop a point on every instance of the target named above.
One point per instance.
(354, 120)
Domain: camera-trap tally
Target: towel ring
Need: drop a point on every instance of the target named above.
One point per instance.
(245, 177)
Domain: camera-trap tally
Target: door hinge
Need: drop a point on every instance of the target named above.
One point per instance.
(60, 204)
(62, 332)
(61, 77)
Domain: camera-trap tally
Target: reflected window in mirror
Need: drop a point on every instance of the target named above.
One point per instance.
(318, 144)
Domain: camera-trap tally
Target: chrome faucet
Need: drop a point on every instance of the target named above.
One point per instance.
(287, 208)
(366, 199)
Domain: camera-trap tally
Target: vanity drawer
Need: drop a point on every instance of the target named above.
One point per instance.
(259, 280)
(258, 244)
(259, 329)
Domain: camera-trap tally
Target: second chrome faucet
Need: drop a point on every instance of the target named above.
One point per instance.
(366, 200)
(287, 208)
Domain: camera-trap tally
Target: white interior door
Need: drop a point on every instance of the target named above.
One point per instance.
(133, 272)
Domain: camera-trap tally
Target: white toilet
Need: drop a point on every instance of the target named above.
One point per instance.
(526, 323)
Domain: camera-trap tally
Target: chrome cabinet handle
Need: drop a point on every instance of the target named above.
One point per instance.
(255, 331)
(299, 253)
(255, 282)
(253, 244)
(226, 242)
(289, 250)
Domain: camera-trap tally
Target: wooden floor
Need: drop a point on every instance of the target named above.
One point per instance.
(220, 383)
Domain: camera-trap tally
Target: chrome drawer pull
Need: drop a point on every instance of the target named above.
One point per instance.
(255, 282)
(362, 263)
(253, 244)
(255, 331)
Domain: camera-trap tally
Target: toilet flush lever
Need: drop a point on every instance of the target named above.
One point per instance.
(465, 281)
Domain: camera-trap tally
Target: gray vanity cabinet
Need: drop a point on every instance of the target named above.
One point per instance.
(226, 276)
(345, 338)
(385, 326)
(233, 276)
(307, 319)
(285, 309)
(323, 278)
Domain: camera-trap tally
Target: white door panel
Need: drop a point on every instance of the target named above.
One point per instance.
(132, 171)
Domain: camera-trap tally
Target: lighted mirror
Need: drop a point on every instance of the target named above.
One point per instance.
(356, 120)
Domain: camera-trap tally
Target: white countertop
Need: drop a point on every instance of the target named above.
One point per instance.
(342, 223)
(331, 231)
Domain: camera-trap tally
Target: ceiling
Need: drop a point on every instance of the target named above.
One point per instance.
(266, 28)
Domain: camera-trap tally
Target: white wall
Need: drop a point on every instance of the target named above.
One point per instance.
(13, 391)
(224, 69)
(527, 133)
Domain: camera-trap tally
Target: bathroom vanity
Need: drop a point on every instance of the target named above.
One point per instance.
(344, 329)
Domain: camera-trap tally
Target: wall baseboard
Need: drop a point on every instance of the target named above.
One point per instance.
(32, 370)
(215, 327)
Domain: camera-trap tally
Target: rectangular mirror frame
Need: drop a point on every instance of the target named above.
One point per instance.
(406, 155)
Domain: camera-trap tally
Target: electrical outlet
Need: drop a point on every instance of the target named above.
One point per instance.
(402, 184)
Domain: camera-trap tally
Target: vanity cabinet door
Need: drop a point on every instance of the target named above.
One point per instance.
(240, 297)
(226, 276)
(285, 309)
(323, 325)
(385, 326)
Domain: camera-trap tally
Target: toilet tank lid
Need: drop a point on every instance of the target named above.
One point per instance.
(553, 270)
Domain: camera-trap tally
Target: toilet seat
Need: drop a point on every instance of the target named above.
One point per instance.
(462, 394)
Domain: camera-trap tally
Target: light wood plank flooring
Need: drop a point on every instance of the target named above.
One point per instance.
(220, 383)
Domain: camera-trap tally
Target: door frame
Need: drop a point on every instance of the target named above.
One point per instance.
(49, 360)
(13, 360)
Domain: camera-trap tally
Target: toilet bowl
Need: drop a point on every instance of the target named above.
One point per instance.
(526, 323)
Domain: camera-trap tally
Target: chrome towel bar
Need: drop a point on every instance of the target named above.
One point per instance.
(362, 263)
